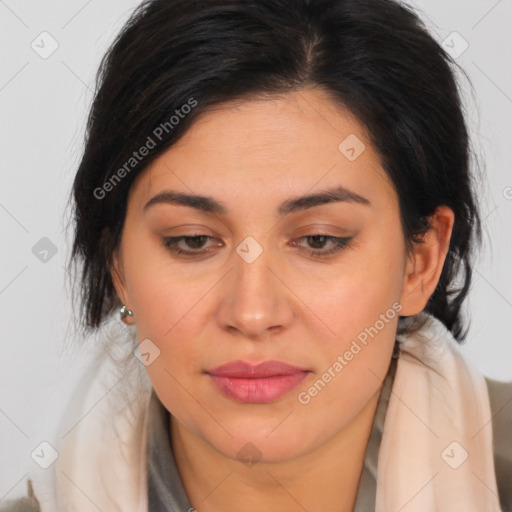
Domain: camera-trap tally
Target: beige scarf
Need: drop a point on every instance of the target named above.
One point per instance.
(436, 451)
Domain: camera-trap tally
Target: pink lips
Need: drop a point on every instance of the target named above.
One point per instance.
(258, 384)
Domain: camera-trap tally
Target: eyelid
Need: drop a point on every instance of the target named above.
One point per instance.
(340, 243)
(322, 228)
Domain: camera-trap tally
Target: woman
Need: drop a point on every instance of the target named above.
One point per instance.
(276, 198)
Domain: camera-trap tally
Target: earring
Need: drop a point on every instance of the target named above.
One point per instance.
(124, 312)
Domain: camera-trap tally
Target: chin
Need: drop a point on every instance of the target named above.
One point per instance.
(263, 443)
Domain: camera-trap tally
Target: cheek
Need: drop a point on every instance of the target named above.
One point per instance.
(354, 295)
(162, 296)
(170, 313)
(362, 312)
(169, 306)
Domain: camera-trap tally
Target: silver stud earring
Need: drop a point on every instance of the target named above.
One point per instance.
(124, 312)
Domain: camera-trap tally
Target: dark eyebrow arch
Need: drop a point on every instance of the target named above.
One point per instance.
(210, 205)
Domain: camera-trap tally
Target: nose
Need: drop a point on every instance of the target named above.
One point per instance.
(256, 301)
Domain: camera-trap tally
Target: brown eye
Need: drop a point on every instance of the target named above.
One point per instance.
(320, 240)
(194, 244)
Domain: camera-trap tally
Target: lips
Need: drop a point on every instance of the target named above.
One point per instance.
(262, 383)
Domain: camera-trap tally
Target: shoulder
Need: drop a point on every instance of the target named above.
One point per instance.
(28, 503)
(500, 397)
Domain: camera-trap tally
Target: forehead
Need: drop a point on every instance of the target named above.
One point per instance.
(253, 151)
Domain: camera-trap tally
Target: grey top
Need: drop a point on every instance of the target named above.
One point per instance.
(165, 488)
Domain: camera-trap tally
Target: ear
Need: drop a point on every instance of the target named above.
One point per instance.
(425, 264)
(117, 275)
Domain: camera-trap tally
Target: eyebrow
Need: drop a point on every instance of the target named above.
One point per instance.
(210, 205)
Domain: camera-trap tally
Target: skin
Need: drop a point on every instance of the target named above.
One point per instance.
(286, 305)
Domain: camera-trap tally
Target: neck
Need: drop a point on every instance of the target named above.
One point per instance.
(215, 483)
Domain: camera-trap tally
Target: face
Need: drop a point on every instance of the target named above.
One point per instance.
(253, 275)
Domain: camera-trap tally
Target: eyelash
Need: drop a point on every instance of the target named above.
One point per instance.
(339, 243)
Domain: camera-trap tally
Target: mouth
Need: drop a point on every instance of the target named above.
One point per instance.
(256, 384)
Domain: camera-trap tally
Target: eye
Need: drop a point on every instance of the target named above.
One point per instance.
(195, 244)
(338, 244)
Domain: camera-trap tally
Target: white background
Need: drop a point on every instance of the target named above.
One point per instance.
(43, 108)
